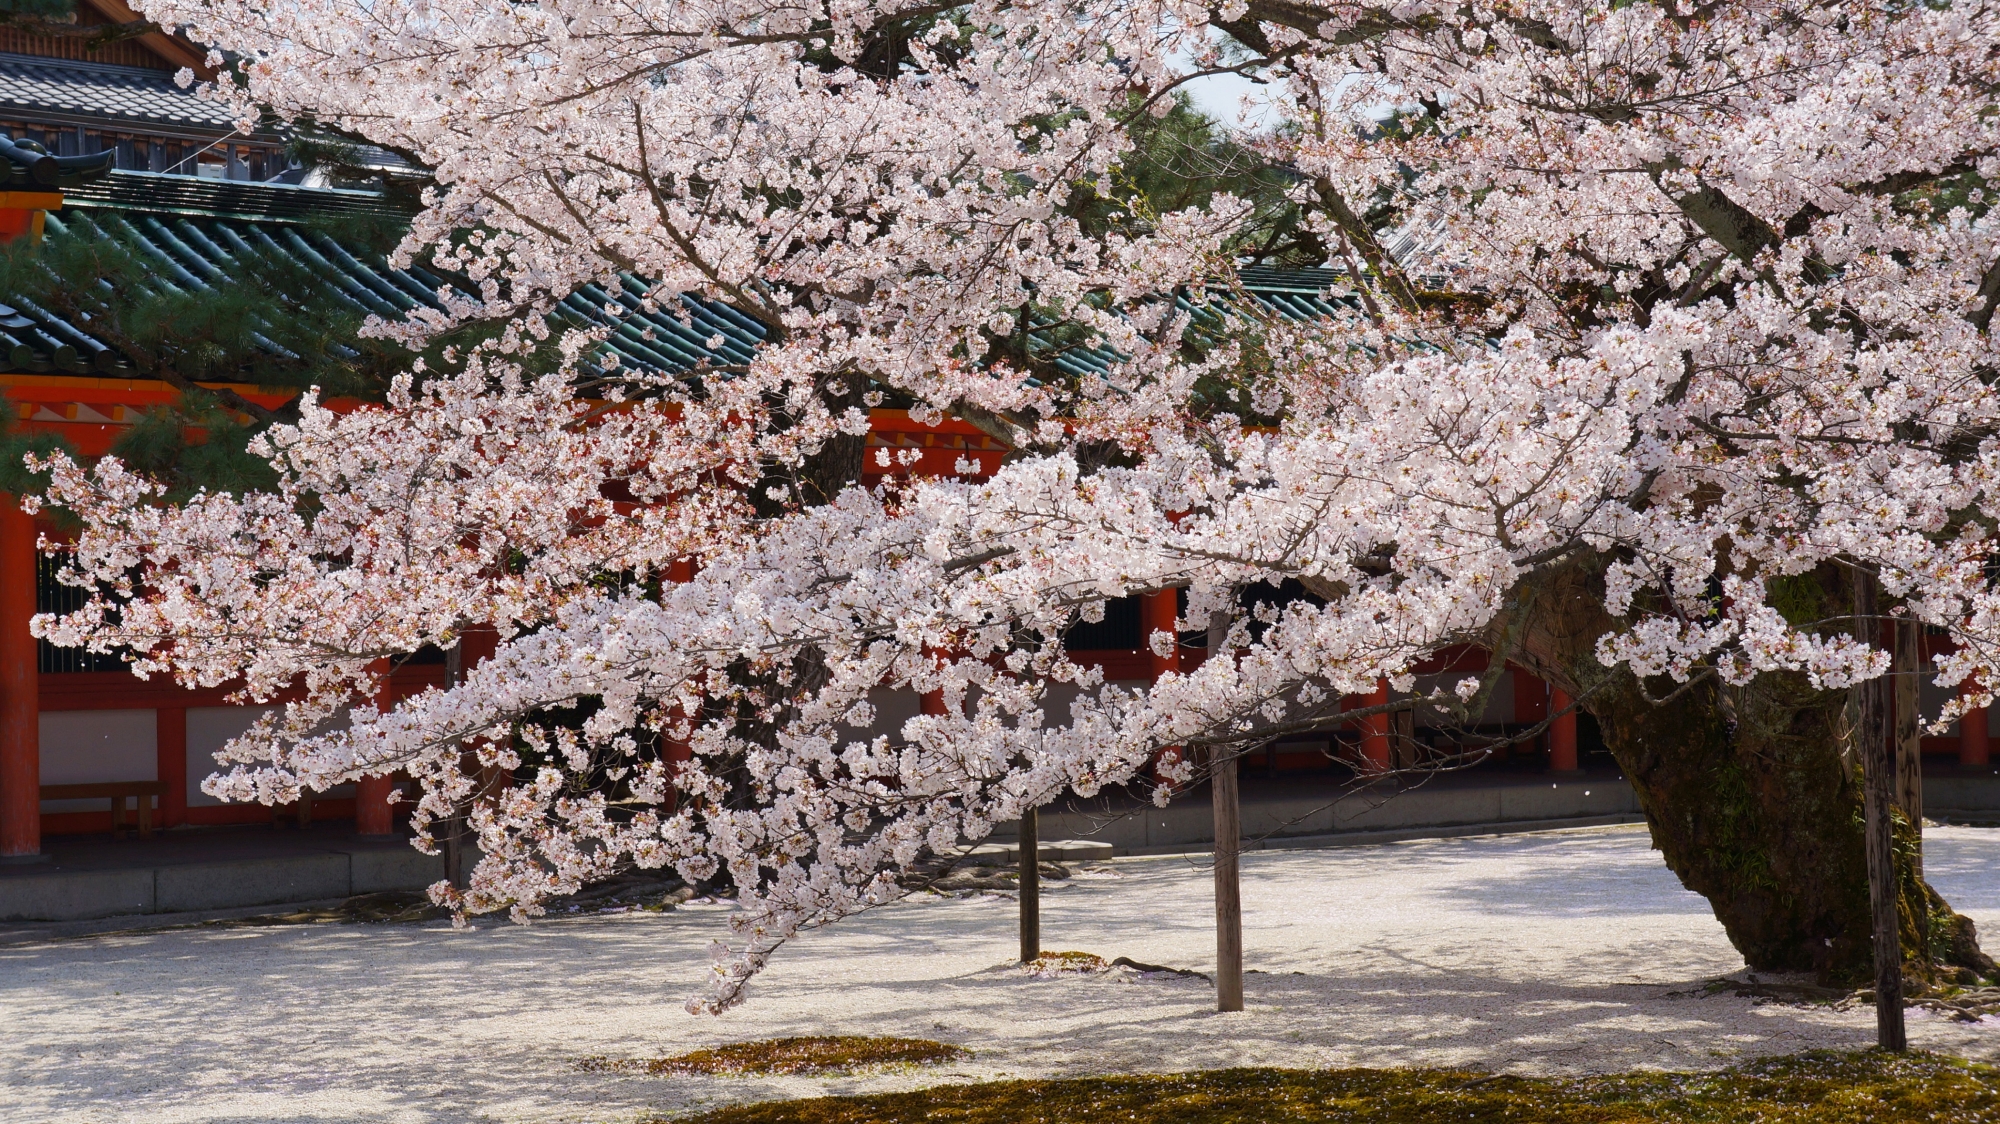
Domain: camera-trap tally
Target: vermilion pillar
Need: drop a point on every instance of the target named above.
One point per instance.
(933, 702)
(170, 736)
(23, 212)
(1562, 733)
(20, 699)
(476, 645)
(1972, 745)
(372, 813)
(1375, 729)
(1531, 697)
(675, 751)
(1158, 612)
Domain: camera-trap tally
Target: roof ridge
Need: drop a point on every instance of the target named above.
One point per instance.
(167, 193)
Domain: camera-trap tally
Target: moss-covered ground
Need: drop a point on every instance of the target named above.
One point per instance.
(1818, 1088)
(788, 1056)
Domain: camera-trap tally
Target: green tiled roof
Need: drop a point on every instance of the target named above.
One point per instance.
(193, 247)
(196, 231)
(1296, 294)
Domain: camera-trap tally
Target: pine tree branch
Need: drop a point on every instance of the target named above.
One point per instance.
(92, 36)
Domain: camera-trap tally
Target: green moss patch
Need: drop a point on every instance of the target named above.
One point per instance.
(1816, 1088)
(789, 1056)
(1066, 964)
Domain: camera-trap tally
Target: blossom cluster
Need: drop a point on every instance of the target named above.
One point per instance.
(1712, 298)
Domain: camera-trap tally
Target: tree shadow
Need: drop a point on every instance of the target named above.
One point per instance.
(1960, 863)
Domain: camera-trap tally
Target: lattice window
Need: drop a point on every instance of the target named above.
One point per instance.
(51, 596)
(1118, 631)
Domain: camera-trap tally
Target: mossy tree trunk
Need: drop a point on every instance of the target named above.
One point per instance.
(1753, 795)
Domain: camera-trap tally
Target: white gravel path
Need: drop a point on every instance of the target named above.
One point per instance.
(1556, 952)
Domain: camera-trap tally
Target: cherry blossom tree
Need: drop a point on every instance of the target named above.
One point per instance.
(1701, 326)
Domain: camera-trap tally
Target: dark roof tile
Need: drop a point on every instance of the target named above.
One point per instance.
(36, 87)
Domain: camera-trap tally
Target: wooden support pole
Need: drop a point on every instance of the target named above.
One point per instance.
(677, 753)
(455, 666)
(1562, 733)
(1908, 665)
(1031, 888)
(1871, 735)
(1227, 802)
(1972, 743)
(373, 817)
(1228, 885)
(20, 690)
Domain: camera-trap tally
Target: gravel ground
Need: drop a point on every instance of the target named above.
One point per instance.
(1547, 953)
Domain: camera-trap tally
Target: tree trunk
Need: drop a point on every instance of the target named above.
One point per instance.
(1753, 794)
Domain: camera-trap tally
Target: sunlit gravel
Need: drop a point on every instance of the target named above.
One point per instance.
(1547, 953)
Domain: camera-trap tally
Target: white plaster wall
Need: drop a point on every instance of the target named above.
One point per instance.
(1058, 697)
(94, 746)
(895, 707)
(209, 728)
(892, 709)
(1932, 699)
(1056, 700)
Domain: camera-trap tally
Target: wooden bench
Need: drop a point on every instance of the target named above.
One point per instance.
(118, 792)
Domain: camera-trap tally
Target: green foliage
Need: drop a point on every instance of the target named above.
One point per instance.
(15, 444)
(195, 445)
(1815, 1088)
(1801, 598)
(1968, 190)
(1180, 158)
(271, 322)
(1183, 158)
(59, 10)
